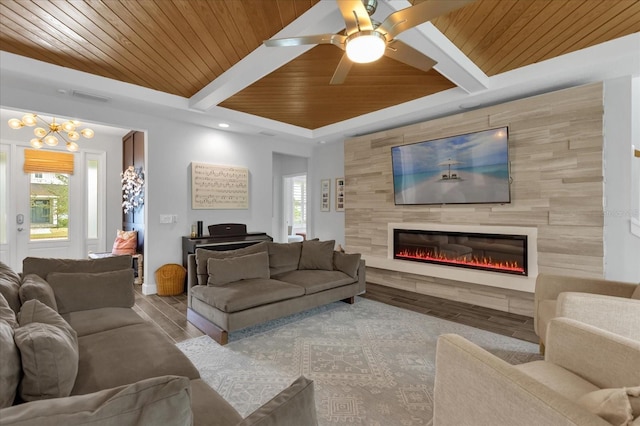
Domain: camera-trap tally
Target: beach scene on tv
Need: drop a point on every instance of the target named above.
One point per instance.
(469, 168)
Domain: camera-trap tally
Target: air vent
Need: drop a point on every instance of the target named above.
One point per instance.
(263, 133)
(90, 96)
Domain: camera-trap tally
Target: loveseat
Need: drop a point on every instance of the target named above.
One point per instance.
(233, 289)
(589, 377)
(73, 351)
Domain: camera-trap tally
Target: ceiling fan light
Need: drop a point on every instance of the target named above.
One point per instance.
(51, 140)
(36, 143)
(87, 133)
(29, 120)
(365, 46)
(15, 124)
(39, 132)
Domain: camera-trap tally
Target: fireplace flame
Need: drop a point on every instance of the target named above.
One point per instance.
(483, 263)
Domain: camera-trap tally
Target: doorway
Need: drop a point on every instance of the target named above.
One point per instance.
(295, 206)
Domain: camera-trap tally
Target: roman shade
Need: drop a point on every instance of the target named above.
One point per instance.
(36, 161)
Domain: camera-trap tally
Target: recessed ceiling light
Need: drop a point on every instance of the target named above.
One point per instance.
(223, 125)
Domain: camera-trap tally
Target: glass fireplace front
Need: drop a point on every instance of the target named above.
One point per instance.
(489, 252)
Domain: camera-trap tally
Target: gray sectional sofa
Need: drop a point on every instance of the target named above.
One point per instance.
(73, 351)
(234, 289)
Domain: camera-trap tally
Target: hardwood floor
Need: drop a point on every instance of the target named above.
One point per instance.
(169, 313)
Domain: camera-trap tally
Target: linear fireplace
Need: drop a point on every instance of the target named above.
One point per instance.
(504, 253)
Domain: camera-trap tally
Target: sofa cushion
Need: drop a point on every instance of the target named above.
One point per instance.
(283, 257)
(317, 255)
(347, 263)
(126, 355)
(48, 350)
(35, 287)
(10, 286)
(10, 367)
(230, 270)
(43, 266)
(613, 405)
(315, 281)
(203, 255)
(295, 405)
(209, 408)
(82, 291)
(161, 400)
(246, 294)
(102, 319)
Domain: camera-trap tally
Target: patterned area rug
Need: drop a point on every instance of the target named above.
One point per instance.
(372, 364)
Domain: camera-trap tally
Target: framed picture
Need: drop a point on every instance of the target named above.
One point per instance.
(340, 194)
(325, 191)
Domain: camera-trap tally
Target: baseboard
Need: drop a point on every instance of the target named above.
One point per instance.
(148, 289)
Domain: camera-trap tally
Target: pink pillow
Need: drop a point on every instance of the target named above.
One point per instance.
(126, 242)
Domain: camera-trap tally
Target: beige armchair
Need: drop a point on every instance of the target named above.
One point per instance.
(550, 287)
(474, 387)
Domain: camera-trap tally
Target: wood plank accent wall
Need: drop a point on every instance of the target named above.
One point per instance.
(556, 155)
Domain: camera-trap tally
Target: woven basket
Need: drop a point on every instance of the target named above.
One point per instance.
(170, 279)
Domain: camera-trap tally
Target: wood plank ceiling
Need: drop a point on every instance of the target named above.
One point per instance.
(179, 46)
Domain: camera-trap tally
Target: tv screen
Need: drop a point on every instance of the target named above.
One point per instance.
(463, 169)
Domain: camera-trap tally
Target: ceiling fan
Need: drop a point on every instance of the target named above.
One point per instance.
(366, 40)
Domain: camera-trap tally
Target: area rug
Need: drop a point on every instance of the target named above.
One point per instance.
(373, 364)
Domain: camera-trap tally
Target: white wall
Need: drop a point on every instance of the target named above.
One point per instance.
(327, 162)
(622, 132)
(170, 148)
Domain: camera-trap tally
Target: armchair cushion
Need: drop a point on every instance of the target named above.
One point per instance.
(10, 368)
(617, 406)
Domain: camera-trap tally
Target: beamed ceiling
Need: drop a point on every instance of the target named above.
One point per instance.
(180, 47)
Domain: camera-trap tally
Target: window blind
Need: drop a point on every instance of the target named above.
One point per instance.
(36, 161)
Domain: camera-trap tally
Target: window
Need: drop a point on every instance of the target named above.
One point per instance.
(49, 206)
(295, 199)
(92, 198)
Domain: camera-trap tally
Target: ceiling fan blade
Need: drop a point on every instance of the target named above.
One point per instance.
(412, 16)
(355, 16)
(335, 39)
(408, 55)
(341, 71)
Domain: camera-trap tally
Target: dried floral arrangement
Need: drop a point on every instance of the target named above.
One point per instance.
(132, 188)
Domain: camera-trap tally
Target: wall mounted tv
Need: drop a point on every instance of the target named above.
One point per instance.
(463, 169)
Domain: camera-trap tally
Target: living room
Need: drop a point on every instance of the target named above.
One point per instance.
(603, 220)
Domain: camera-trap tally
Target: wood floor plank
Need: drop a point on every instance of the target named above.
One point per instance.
(169, 313)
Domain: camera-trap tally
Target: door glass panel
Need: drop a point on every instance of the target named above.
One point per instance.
(92, 199)
(4, 196)
(49, 206)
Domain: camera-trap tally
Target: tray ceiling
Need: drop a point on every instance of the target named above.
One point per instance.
(180, 47)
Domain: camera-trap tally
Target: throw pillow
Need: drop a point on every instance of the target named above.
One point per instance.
(44, 266)
(617, 406)
(126, 242)
(202, 255)
(225, 271)
(48, 350)
(164, 400)
(283, 257)
(83, 291)
(10, 368)
(317, 255)
(10, 286)
(296, 404)
(34, 287)
(347, 263)
(6, 313)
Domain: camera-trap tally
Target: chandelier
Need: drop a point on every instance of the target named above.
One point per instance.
(52, 131)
